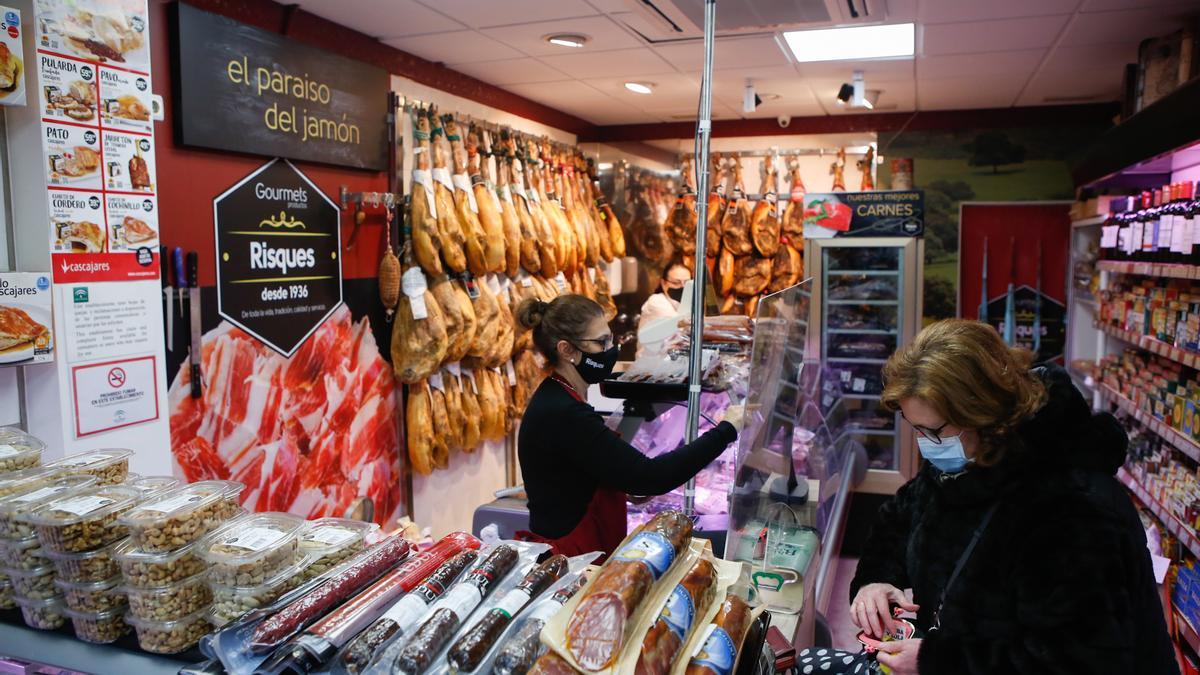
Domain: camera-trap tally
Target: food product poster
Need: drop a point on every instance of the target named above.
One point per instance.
(113, 32)
(128, 162)
(72, 156)
(26, 318)
(68, 89)
(12, 58)
(880, 213)
(114, 394)
(132, 222)
(124, 100)
(76, 221)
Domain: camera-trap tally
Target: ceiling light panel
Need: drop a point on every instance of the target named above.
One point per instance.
(853, 43)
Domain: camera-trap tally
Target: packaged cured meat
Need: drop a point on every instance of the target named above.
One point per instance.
(552, 664)
(313, 649)
(688, 601)
(400, 617)
(469, 650)
(598, 625)
(521, 649)
(452, 609)
(719, 646)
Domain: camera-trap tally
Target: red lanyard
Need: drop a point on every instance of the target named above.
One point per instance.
(567, 385)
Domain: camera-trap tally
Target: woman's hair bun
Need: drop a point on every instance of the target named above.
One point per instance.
(531, 312)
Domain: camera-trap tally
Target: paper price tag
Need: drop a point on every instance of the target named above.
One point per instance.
(442, 176)
(472, 288)
(331, 536)
(413, 282)
(7, 451)
(255, 538)
(81, 506)
(493, 284)
(461, 182)
(455, 369)
(435, 381)
(512, 374)
(524, 279)
(859, 385)
(424, 179)
(560, 280)
(419, 309)
(38, 494)
(173, 504)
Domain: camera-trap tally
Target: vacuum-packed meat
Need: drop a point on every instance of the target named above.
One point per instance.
(523, 649)
(723, 640)
(688, 601)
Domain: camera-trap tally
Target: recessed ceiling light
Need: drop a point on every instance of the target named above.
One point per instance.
(854, 42)
(572, 40)
(640, 87)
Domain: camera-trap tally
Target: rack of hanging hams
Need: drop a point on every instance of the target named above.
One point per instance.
(495, 217)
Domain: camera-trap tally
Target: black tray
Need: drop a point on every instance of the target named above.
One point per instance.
(644, 391)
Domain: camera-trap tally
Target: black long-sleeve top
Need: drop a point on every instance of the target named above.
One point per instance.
(567, 452)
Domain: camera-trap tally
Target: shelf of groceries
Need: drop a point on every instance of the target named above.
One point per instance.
(1186, 534)
(1150, 269)
(1157, 347)
(1175, 438)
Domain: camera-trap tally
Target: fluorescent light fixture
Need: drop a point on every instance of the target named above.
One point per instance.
(853, 42)
(605, 166)
(640, 87)
(571, 40)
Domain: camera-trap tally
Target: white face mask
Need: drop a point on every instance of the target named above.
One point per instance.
(947, 456)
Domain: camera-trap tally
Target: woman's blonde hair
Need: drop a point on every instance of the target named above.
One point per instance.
(965, 372)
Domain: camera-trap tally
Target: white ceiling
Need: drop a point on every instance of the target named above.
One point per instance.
(970, 54)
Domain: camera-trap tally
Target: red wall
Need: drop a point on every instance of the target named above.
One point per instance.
(1005, 225)
(189, 179)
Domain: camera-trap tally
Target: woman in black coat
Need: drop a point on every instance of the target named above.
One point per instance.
(1060, 579)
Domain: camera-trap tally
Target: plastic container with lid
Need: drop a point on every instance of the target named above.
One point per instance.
(330, 541)
(109, 466)
(83, 521)
(252, 549)
(151, 485)
(19, 450)
(170, 637)
(8, 599)
(170, 602)
(17, 481)
(32, 497)
(22, 554)
(95, 565)
(35, 584)
(43, 613)
(92, 596)
(152, 570)
(231, 501)
(99, 628)
(230, 602)
(176, 517)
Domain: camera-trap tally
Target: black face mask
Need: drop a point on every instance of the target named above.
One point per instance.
(595, 368)
(675, 294)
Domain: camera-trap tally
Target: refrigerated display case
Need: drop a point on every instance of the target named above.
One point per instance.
(866, 304)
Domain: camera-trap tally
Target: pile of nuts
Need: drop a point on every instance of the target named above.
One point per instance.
(19, 450)
(33, 584)
(42, 614)
(170, 637)
(108, 467)
(170, 602)
(254, 572)
(99, 628)
(23, 555)
(95, 565)
(152, 571)
(176, 518)
(99, 596)
(84, 521)
(230, 602)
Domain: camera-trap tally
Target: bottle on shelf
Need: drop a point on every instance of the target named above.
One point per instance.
(1138, 229)
(1191, 216)
(1166, 219)
(1123, 221)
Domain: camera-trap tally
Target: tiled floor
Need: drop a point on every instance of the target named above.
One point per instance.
(839, 607)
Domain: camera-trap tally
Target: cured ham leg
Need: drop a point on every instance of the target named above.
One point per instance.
(764, 222)
(735, 227)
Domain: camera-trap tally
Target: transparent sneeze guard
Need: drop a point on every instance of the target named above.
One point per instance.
(793, 470)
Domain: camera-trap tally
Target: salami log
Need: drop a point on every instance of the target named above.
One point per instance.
(469, 650)
(596, 631)
(723, 639)
(363, 571)
(450, 611)
(689, 600)
(523, 649)
(552, 664)
(363, 649)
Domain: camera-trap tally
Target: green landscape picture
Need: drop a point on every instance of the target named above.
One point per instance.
(982, 165)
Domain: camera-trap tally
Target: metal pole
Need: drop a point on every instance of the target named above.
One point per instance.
(703, 130)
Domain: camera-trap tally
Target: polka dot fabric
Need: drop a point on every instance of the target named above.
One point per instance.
(835, 662)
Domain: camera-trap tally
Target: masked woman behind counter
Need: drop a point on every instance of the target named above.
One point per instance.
(577, 471)
(1059, 580)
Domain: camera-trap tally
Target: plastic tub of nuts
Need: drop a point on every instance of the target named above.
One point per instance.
(175, 518)
(329, 541)
(152, 570)
(171, 602)
(26, 479)
(22, 554)
(32, 498)
(36, 584)
(99, 628)
(108, 467)
(230, 602)
(19, 450)
(92, 596)
(95, 565)
(44, 613)
(8, 599)
(251, 550)
(170, 637)
(83, 521)
(231, 496)
(151, 486)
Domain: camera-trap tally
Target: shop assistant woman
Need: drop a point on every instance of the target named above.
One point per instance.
(1058, 579)
(577, 471)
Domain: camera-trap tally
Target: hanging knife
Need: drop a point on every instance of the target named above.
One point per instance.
(193, 276)
(1037, 312)
(983, 303)
(1010, 304)
(164, 273)
(180, 278)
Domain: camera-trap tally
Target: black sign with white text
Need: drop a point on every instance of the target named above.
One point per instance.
(249, 90)
(278, 244)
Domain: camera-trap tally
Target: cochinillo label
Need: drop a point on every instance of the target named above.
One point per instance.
(679, 612)
(651, 549)
(718, 653)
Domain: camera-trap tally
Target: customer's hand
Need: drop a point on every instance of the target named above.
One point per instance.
(872, 611)
(735, 415)
(900, 656)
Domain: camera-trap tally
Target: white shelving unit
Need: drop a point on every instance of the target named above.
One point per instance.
(1083, 340)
